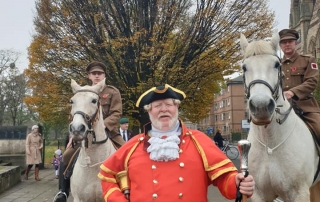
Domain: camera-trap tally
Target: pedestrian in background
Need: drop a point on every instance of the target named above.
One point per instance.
(124, 125)
(34, 145)
(218, 139)
(57, 158)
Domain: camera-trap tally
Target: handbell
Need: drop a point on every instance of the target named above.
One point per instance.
(244, 147)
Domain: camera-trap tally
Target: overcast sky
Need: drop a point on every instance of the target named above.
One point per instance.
(16, 21)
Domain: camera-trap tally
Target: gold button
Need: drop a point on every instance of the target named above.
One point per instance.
(187, 133)
(181, 165)
(154, 196)
(287, 78)
(298, 73)
(141, 138)
(155, 181)
(181, 179)
(180, 195)
(183, 141)
(153, 167)
(180, 151)
(287, 86)
(287, 70)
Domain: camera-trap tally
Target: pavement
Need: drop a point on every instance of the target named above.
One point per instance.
(45, 190)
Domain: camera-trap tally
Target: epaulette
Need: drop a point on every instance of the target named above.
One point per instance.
(307, 55)
(112, 87)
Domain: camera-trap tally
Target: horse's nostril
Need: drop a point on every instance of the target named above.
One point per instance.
(271, 106)
(83, 128)
(252, 107)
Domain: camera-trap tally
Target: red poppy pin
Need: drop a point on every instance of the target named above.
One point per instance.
(294, 69)
(105, 95)
(314, 66)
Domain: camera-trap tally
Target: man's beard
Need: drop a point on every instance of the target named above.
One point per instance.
(159, 125)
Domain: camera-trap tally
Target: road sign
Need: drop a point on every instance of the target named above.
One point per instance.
(245, 124)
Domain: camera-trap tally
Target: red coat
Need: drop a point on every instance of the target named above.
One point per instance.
(186, 179)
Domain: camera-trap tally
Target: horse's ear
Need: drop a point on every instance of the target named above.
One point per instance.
(100, 86)
(274, 42)
(74, 86)
(243, 43)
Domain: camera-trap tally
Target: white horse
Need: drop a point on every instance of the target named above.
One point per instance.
(283, 158)
(87, 127)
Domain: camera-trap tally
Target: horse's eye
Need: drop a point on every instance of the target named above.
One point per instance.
(70, 102)
(244, 68)
(94, 101)
(277, 65)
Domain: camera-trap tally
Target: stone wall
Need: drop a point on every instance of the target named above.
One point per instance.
(9, 176)
(11, 146)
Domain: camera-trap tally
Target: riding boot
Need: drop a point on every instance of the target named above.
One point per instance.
(26, 173)
(64, 185)
(36, 174)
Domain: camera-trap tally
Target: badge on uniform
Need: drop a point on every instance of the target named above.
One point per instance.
(294, 69)
(314, 66)
(105, 95)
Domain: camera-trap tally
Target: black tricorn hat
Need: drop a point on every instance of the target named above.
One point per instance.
(160, 93)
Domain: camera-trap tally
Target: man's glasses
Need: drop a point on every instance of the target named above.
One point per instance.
(97, 73)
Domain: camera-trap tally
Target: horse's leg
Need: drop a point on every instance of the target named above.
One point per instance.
(315, 192)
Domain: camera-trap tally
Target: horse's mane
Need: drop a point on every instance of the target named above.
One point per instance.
(259, 48)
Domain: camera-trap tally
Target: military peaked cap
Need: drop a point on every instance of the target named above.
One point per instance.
(96, 67)
(288, 34)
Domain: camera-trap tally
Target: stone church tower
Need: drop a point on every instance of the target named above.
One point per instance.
(305, 18)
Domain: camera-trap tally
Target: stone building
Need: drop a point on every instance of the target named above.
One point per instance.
(305, 18)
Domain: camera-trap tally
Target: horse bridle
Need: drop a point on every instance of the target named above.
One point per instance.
(274, 91)
(90, 121)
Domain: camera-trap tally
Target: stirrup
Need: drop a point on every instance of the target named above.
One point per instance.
(62, 193)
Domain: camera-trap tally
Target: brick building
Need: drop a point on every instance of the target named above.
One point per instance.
(228, 109)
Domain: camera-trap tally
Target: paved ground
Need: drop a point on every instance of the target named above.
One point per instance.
(44, 190)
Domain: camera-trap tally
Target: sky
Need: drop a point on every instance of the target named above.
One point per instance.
(16, 22)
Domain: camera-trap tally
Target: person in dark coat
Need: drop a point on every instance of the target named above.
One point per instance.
(219, 139)
(124, 125)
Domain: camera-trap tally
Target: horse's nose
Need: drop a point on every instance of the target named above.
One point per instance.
(259, 104)
(77, 129)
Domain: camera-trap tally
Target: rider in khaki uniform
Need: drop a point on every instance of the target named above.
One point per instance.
(110, 101)
(300, 80)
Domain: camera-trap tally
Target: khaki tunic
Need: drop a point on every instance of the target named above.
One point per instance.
(301, 77)
(34, 145)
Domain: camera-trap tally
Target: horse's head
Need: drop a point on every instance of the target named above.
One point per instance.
(85, 108)
(262, 77)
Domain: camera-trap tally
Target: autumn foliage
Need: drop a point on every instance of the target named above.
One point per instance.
(188, 44)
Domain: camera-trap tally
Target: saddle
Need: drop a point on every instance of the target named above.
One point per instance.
(69, 169)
